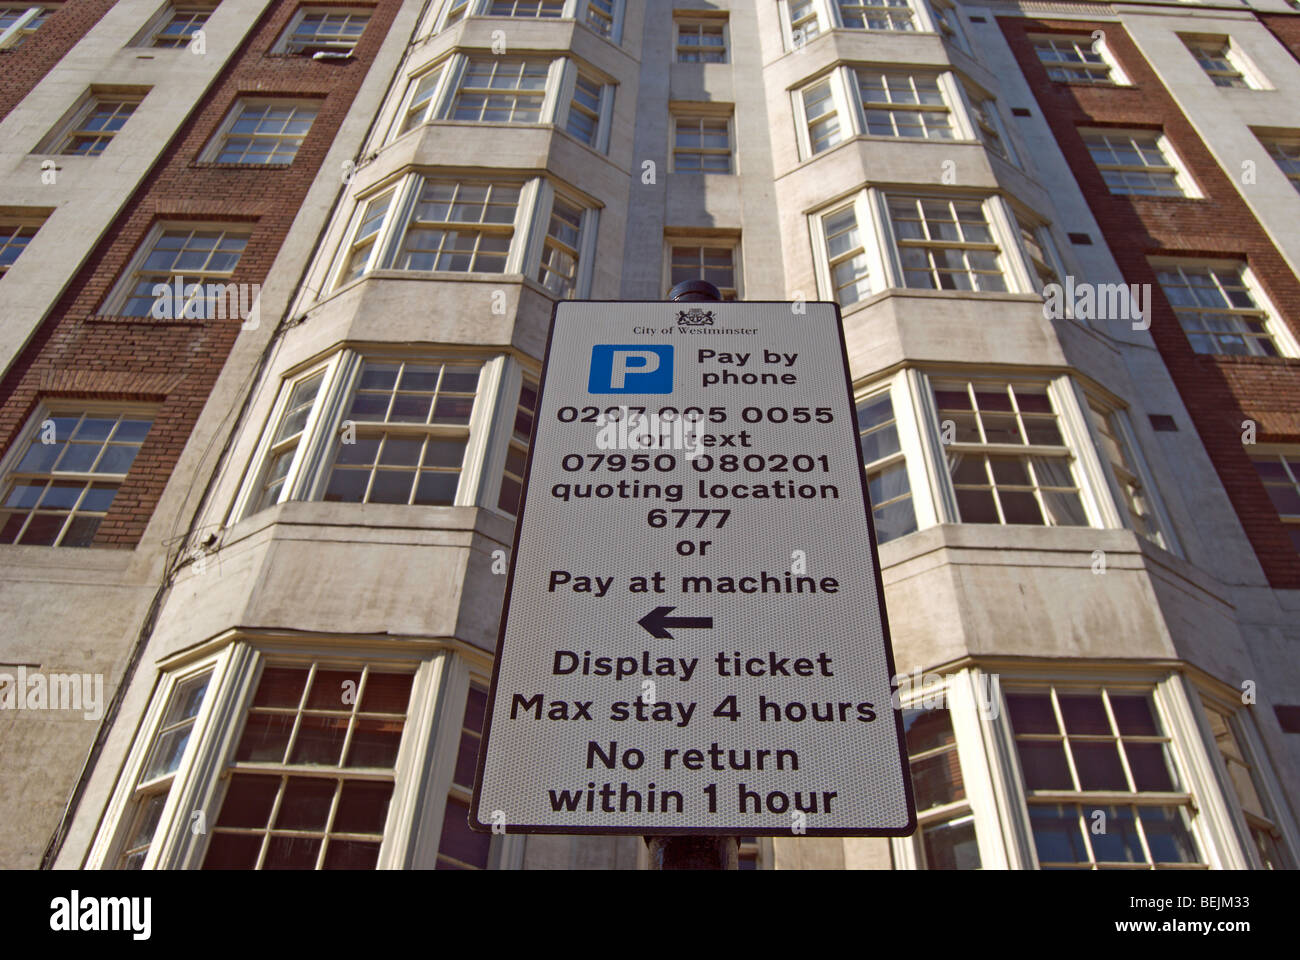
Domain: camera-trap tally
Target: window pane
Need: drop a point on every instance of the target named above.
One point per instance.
(951, 845)
(1098, 766)
(459, 841)
(1084, 714)
(1150, 766)
(1117, 841)
(1031, 713)
(1168, 834)
(249, 801)
(1058, 837)
(1044, 765)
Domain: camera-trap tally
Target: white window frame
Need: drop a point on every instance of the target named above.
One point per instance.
(976, 104)
(1116, 76)
(618, 13)
(1211, 827)
(845, 111)
(1272, 451)
(1286, 143)
(1265, 781)
(947, 92)
(701, 18)
(692, 239)
(1251, 77)
(51, 407)
(119, 816)
(704, 110)
(532, 217)
(286, 36)
(565, 82)
(162, 19)
(313, 459)
(1077, 448)
(904, 427)
(513, 374)
(121, 290)
(1023, 220)
(441, 14)
(1115, 509)
(919, 20)
(794, 38)
(871, 206)
(486, 7)
(556, 100)
(958, 95)
(1183, 179)
(421, 774)
(433, 107)
(868, 227)
(909, 417)
(1278, 331)
(537, 227)
(58, 139)
(20, 29)
(12, 226)
(955, 692)
(440, 18)
(945, 20)
(995, 218)
(217, 141)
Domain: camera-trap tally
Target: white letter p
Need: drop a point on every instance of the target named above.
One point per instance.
(619, 368)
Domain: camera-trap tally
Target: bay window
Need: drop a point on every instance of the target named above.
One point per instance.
(602, 17)
(874, 15)
(903, 105)
(884, 100)
(1007, 458)
(802, 20)
(495, 90)
(459, 226)
(945, 244)
(395, 428)
(1100, 780)
(261, 755)
(1036, 769)
(431, 224)
(412, 428)
(1032, 450)
(876, 241)
(510, 90)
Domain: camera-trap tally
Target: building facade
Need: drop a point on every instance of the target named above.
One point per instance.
(277, 280)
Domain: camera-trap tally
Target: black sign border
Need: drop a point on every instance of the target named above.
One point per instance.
(756, 831)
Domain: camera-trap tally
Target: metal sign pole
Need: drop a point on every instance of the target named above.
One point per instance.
(694, 852)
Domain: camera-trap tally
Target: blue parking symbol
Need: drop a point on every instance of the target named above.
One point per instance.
(630, 368)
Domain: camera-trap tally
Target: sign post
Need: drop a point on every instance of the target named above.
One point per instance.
(694, 642)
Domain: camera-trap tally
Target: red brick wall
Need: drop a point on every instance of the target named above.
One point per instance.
(1220, 392)
(1286, 27)
(22, 69)
(77, 353)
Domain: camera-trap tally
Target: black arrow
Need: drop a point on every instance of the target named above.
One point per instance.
(657, 621)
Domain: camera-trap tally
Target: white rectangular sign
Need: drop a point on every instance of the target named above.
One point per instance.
(694, 636)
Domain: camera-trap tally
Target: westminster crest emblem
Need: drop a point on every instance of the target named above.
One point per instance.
(695, 317)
